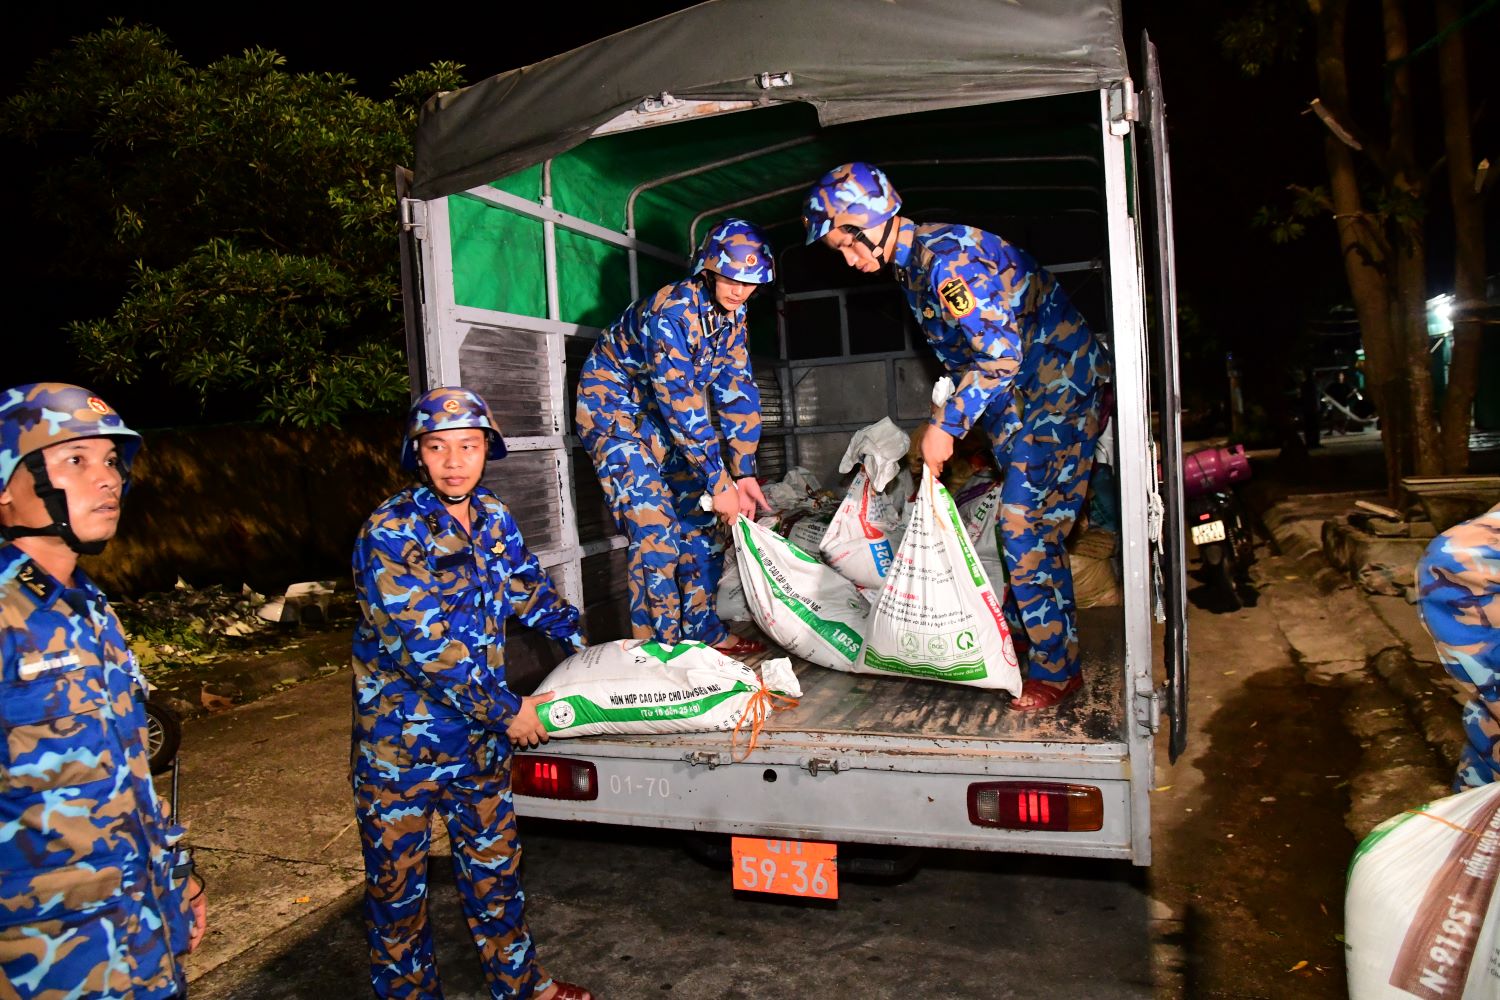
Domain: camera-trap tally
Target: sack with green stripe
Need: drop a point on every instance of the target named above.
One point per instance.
(804, 606)
(637, 686)
(938, 616)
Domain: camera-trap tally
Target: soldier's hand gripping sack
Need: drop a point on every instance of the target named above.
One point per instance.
(1421, 914)
(938, 616)
(806, 608)
(639, 686)
(858, 541)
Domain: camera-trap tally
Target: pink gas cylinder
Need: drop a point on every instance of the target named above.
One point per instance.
(1213, 470)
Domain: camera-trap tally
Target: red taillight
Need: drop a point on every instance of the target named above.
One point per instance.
(1035, 805)
(1205, 516)
(548, 777)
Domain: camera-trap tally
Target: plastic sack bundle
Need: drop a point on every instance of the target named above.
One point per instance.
(633, 686)
(858, 543)
(1421, 915)
(938, 616)
(805, 607)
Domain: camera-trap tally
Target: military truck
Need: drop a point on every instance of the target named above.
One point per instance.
(545, 199)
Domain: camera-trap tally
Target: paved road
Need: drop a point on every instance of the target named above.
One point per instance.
(1244, 899)
(631, 914)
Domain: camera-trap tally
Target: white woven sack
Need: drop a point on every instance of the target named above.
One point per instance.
(980, 515)
(938, 616)
(806, 608)
(639, 686)
(1421, 914)
(729, 603)
(857, 543)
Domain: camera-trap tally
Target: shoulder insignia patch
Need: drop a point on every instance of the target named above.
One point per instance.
(956, 296)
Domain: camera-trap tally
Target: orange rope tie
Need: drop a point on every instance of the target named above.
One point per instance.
(1448, 823)
(762, 705)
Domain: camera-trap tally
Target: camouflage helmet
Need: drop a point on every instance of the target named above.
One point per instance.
(41, 414)
(448, 408)
(854, 194)
(737, 249)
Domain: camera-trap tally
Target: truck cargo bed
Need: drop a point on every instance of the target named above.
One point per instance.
(835, 702)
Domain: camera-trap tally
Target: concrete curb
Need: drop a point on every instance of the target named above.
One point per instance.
(1427, 699)
(239, 680)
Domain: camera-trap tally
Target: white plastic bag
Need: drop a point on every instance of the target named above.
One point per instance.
(805, 607)
(640, 686)
(857, 543)
(880, 448)
(1421, 915)
(938, 616)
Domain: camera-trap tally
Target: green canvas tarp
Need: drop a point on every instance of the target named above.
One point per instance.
(851, 60)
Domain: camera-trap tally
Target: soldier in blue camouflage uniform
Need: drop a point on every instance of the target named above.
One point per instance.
(1458, 582)
(438, 568)
(95, 895)
(643, 414)
(1028, 371)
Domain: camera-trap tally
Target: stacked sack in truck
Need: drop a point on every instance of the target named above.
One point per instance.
(894, 596)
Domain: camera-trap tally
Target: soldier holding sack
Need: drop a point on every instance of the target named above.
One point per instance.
(438, 568)
(1028, 371)
(96, 894)
(643, 415)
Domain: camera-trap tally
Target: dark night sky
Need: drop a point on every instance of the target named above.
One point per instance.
(1236, 143)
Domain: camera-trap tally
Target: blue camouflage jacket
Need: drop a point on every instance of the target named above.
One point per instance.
(665, 358)
(430, 698)
(998, 321)
(88, 903)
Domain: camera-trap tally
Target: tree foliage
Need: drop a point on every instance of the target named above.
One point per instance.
(246, 214)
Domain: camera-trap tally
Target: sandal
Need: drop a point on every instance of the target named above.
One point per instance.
(1037, 694)
(741, 646)
(570, 991)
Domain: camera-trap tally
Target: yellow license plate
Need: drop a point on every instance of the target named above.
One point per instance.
(786, 867)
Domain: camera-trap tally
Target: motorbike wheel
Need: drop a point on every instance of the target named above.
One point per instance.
(1219, 574)
(163, 736)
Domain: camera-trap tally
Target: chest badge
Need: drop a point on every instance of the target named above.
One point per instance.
(957, 297)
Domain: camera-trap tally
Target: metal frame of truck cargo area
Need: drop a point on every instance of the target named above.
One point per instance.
(539, 209)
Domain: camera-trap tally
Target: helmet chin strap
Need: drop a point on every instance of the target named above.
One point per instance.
(878, 248)
(55, 501)
(426, 478)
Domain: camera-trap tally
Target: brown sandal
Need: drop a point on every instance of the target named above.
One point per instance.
(570, 991)
(1036, 695)
(741, 646)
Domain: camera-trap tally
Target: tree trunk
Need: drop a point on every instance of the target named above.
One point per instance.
(1410, 277)
(1468, 225)
(1361, 246)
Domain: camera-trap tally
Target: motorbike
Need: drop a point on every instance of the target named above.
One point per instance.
(1217, 522)
(163, 735)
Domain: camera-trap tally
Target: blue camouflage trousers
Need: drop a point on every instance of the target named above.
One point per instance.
(675, 554)
(394, 819)
(1458, 584)
(1044, 446)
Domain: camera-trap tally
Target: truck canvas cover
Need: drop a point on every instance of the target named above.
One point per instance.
(852, 60)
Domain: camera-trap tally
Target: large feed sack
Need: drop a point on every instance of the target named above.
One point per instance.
(1421, 915)
(805, 607)
(858, 543)
(729, 602)
(979, 510)
(633, 686)
(938, 616)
